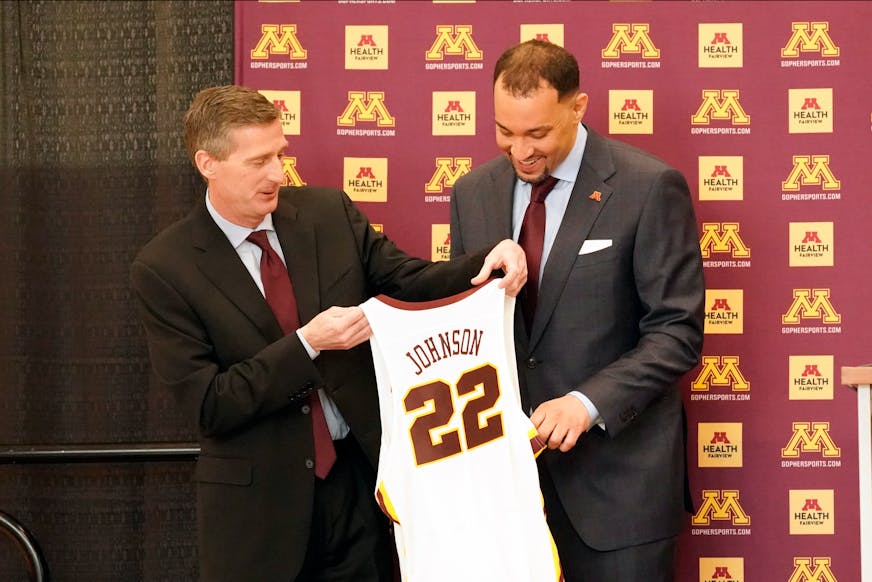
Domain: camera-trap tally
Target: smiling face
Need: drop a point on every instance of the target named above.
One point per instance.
(536, 131)
(244, 185)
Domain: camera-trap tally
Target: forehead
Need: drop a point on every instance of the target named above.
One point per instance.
(252, 140)
(536, 109)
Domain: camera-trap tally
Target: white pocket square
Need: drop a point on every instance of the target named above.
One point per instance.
(594, 245)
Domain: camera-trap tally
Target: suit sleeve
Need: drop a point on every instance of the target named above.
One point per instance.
(667, 269)
(224, 386)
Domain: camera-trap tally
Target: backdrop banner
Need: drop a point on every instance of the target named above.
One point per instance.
(764, 106)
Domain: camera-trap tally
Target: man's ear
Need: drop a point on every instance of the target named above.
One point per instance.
(580, 106)
(205, 163)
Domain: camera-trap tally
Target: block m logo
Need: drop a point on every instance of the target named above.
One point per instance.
(720, 371)
(448, 170)
(811, 437)
(723, 238)
(366, 106)
(805, 573)
(289, 170)
(720, 505)
(802, 307)
(639, 43)
(720, 105)
(271, 43)
(810, 37)
(808, 170)
(454, 41)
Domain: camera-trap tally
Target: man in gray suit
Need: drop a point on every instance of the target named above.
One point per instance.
(618, 319)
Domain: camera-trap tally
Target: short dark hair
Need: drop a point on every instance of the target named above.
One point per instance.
(524, 65)
(216, 111)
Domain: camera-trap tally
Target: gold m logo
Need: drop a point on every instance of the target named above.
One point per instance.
(454, 41)
(720, 505)
(802, 307)
(811, 170)
(720, 105)
(804, 572)
(448, 170)
(723, 237)
(622, 42)
(289, 170)
(365, 106)
(720, 371)
(271, 43)
(811, 437)
(810, 37)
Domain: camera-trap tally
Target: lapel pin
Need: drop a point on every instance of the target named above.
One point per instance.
(597, 195)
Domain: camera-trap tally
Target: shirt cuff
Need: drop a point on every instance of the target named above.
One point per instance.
(596, 419)
(313, 353)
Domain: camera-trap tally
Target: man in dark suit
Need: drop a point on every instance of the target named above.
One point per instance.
(617, 321)
(253, 383)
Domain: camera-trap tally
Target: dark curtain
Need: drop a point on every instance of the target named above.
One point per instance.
(93, 166)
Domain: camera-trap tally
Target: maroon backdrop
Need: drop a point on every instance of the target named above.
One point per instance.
(764, 106)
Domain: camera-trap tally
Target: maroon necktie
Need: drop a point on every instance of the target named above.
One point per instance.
(280, 296)
(531, 239)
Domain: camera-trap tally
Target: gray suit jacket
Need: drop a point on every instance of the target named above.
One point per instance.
(621, 325)
(215, 343)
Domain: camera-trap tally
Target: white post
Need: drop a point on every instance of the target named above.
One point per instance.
(861, 378)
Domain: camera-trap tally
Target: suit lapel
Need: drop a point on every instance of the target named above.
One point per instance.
(220, 263)
(582, 211)
(497, 208)
(300, 249)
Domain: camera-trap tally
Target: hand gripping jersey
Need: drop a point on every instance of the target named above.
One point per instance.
(457, 472)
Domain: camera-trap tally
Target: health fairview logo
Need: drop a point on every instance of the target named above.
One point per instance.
(631, 111)
(724, 311)
(720, 45)
(366, 107)
(552, 33)
(366, 179)
(720, 372)
(721, 505)
(811, 304)
(723, 238)
(719, 444)
(810, 110)
(811, 377)
(290, 176)
(807, 38)
(455, 41)
(453, 113)
(278, 39)
(721, 177)
(440, 242)
(812, 511)
(366, 47)
(288, 104)
(812, 569)
(811, 244)
(448, 171)
(811, 437)
(632, 39)
(721, 570)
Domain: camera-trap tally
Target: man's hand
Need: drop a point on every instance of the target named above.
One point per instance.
(560, 422)
(509, 257)
(337, 328)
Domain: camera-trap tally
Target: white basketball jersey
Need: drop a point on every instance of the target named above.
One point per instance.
(457, 472)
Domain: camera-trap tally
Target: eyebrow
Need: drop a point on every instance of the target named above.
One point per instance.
(531, 130)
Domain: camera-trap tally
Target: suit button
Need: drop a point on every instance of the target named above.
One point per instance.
(532, 362)
(310, 464)
(305, 409)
